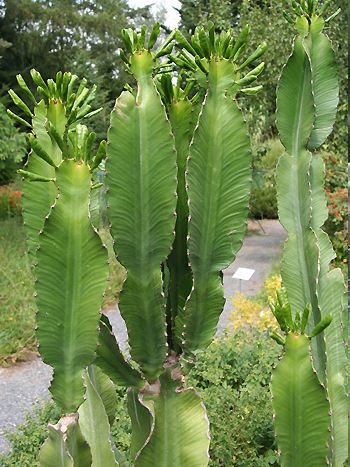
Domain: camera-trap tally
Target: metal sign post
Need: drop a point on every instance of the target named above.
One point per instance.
(243, 274)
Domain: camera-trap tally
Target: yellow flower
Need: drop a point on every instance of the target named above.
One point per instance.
(250, 314)
(271, 285)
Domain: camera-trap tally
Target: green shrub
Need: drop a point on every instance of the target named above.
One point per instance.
(12, 148)
(30, 435)
(337, 201)
(233, 377)
(263, 202)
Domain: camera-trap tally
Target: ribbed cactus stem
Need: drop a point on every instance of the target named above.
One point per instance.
(307, 99)
(71, 275)
(300, 407)
(141, 175)
(218, 178)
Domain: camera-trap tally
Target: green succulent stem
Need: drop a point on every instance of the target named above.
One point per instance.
(307, 99)
(67, 322)
(220, 152)
(300, 405)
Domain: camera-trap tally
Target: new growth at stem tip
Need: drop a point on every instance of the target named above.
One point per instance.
(281, 309)
(308, 10)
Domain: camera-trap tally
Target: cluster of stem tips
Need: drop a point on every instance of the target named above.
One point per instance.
(308, 9)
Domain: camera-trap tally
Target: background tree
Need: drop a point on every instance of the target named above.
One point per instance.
(82, 36)
(224, 13)
(12, 147)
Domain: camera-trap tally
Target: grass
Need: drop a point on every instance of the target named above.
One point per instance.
(17, 317)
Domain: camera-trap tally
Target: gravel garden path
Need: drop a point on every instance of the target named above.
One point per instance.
(26, 383)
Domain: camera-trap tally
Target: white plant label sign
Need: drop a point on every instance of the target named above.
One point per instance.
(243, 273)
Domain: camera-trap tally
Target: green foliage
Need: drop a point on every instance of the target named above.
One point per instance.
(12, 148)
(232, 376)
(338, 141)
(223, 13)
(60, 36)
(29, 436)
(263, 201)
(336, 226)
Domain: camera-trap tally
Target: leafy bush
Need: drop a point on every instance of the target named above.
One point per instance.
(336, 223)
(233, 377)
(337, 201)
(263, 202)
(30, 435)
(12, 148)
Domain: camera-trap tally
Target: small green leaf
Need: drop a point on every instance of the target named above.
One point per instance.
(34, 177)
(153, 36)
(261, 49)
(20, 104)
(321, 326)
(38, 149)
(25, 88)
(18, 119)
